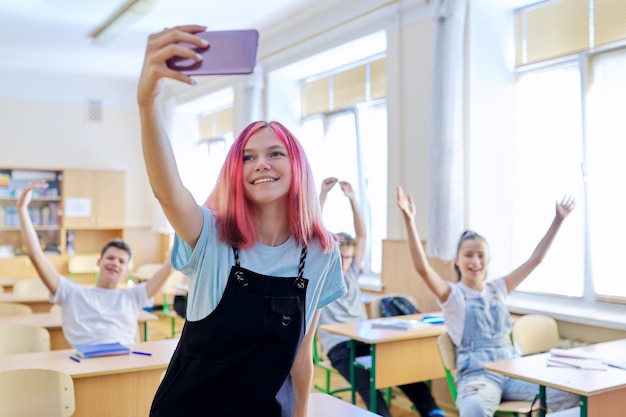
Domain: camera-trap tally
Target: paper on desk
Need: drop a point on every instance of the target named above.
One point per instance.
(578, 363)
(574, 354)
(399, 324)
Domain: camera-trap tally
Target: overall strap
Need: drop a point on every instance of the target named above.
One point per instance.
(236, 252)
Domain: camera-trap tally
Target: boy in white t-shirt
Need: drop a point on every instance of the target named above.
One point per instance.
(92, 315)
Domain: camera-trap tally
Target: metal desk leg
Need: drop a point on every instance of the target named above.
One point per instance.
(542, 401)
(352, 371)
(145, 331)
(584, 407)
(373, 396)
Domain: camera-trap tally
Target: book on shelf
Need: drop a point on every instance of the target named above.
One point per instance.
(400, 324)
(103, 349)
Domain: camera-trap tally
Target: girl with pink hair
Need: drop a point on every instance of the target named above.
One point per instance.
(260, 263)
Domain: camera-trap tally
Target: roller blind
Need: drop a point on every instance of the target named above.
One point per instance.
(563, 27)
(610, 21)
(344, 88)
(216, 124)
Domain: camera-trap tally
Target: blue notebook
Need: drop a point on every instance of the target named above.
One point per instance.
(104, 349)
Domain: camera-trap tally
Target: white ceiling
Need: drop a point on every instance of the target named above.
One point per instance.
(52, 34)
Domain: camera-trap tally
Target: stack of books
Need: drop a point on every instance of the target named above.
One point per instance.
(104, 349)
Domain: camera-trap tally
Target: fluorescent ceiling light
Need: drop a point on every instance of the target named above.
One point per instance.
(120, 20)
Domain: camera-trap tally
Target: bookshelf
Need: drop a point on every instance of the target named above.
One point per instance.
(87, 203)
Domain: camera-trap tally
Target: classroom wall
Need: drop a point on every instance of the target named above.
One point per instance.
(44, 119)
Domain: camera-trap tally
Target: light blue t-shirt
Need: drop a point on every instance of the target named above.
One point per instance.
(208, 266)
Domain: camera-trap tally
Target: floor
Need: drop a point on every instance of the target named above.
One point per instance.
(400, 405)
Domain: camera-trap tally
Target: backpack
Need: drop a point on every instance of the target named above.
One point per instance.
(396, 306)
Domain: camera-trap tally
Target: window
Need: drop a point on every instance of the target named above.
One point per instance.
(548, 156)
(570, 136)
(352, 146)
(345, 136)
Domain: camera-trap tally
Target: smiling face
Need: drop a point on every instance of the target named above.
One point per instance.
(472, 259)
(267, 168)
(113, 267)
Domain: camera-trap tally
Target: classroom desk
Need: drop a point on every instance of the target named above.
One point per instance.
(398, 357)
(105, 387)
(37, 301)
(602, 393)
(52, 322)
(324, 405)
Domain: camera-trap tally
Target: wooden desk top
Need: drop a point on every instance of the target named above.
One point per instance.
(53, 320)
(321, 404)
(584, 382)
(33, 297)
(161, 350)
(364, 332)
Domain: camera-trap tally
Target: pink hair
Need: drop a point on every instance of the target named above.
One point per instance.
(231, 208)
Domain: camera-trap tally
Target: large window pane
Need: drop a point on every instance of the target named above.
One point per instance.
(606, 147)
(548, 157)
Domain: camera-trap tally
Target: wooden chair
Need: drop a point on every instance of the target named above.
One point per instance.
(85, 264)
(36, 393)
(14, 309)
(146, 271)
(29, 285)
(324, 364)
(535, 333)
(447, 352)
(22, 338)
(375, 303)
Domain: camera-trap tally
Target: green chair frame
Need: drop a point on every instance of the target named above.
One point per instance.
(327, 368)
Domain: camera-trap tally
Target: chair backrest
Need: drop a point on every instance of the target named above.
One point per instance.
(375, 310)
(146, 271)
(36, 393)
(14, 309)
(29, 285)
(447, 353)
(535, 333)
(84, 264)
(56, 309)
(22, 338)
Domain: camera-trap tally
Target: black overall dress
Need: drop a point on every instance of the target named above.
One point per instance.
(237, 360)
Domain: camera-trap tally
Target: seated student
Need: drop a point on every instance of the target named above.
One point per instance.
(92, 315)
(351, 308)
(477, 317)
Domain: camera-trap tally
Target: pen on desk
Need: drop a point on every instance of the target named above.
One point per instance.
(136, 352)
(75, 359)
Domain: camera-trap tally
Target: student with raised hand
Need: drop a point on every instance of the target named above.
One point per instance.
(478, 322)
(91, 315)
(351, 308)
(259, 262)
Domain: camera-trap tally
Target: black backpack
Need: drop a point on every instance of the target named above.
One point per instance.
(396, 306)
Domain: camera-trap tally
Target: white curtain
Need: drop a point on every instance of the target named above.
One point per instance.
(445, 188)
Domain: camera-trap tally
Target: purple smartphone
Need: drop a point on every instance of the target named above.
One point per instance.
(229, 52)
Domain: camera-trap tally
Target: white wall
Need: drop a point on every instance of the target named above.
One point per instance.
(45, 125)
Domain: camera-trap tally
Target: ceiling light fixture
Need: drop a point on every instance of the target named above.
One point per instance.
(120, 20)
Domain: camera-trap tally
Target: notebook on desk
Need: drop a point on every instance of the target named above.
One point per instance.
(99, 350)
(399, 324)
